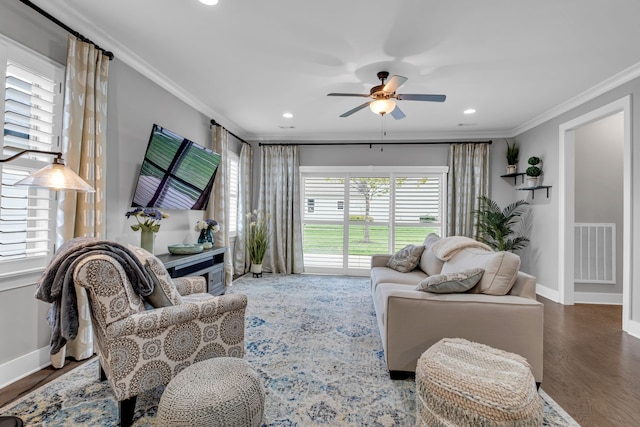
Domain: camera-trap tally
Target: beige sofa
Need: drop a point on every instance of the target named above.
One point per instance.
(410, 320)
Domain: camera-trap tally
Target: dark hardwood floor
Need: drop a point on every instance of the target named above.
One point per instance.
(591, 368)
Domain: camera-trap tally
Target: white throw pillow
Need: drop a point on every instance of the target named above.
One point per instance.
(429, 263)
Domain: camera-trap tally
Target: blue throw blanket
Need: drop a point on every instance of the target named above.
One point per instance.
(56, 285)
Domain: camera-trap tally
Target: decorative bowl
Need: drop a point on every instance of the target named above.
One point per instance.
(185, 249)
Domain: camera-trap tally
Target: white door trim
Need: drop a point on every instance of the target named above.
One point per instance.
(566, 192)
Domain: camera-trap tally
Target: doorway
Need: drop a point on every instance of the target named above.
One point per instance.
(567, 139)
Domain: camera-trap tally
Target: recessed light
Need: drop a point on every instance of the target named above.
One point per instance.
(287, 115)
(209, 2)
(287, 127)
(469, 111)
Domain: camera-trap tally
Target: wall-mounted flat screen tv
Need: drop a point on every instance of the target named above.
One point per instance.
(176, 173)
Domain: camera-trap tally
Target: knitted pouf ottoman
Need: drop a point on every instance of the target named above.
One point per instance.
(223, 391)
(463, 383)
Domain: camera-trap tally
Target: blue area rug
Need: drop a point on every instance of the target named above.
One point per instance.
(314, 341)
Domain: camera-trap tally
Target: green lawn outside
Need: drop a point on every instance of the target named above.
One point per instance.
(327, 239)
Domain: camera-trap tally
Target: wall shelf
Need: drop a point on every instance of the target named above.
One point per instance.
(533, 190)
(514, 176)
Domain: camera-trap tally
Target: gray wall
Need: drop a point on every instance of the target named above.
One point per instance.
(542, 256)
(23, 326)
(598, 184)
(134, 104)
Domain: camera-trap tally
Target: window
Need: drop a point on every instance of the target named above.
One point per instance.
(234, 163)
(380, 210)
(31, 117)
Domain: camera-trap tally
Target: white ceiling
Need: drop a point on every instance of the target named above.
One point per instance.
(245, 62)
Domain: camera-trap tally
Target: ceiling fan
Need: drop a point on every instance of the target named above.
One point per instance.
(383, 97)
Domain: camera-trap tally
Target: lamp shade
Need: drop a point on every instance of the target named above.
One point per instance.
(58, 177)
(382, 106)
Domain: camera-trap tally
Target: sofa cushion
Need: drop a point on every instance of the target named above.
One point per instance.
(452, 282)
(500, 268)
(389, 275)
(406, 259)
(429, 262)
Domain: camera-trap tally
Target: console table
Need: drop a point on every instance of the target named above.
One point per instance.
(208, 264)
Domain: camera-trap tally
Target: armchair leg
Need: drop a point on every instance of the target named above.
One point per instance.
(127, 408)
(103, 376)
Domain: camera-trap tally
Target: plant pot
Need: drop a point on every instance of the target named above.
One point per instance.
(206, 238)
(532, 181)
(256, 270)
(511, 169)
(147, 240)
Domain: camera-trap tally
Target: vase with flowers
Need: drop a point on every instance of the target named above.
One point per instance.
(206, 228)
(257, 241)
(148, 222)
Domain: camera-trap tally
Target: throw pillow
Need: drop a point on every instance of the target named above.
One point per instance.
(452, 282)
(406, 259)
(429, 262)
(500, 268)
(164, 292)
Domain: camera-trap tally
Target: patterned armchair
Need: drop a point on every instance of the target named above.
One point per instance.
(141, 349)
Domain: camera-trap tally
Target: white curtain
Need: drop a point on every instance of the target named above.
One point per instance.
(218, 208)
(279, 201)
(241, 260)
(84, 127)
(468, 180)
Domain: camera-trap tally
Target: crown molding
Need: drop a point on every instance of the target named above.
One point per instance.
(601, 88)
(124, 54)
(374, 137)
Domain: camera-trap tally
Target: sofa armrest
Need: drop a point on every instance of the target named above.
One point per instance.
(380, 260)
(524, 286)
(161, 318)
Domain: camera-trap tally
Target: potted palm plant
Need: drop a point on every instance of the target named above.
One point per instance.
(533, 171)
(497, 227)
(513, 152)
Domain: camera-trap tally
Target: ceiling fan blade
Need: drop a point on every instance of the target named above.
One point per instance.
(348, 94)
(420, 97)
(355, 110)
(397, 113)
(394, 83)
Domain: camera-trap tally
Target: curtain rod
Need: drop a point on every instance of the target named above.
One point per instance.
(66, 27)
(214, 123)
(382, 143)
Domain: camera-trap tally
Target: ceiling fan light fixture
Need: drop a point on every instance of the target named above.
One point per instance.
(382, 106)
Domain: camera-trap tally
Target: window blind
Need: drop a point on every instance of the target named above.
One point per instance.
(30, 110)
(234, 161)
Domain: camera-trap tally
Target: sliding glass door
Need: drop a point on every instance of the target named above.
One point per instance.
(350, 215)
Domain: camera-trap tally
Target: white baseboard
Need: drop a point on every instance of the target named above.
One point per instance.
(633, 328)
(547, 293)
(19, 368)
(597, 298)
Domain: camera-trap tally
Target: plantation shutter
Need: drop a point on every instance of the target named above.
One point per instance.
(233, 194)
(350, 214)
(32, 105)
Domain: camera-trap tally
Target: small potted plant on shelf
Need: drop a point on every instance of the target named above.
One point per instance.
(512, 156)
(533, 171)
